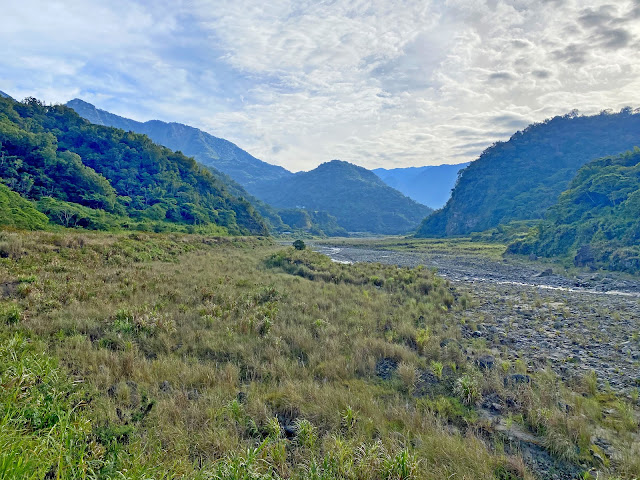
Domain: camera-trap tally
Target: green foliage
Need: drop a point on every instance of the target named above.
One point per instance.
(468, 389)
(49, 151)
(299, 245)
(10, 313)
(43, 430)
(356, 197)
(595, 221)
(216, 153)
(520, 179)
(316, 223)
(412, 282)
(17, 212)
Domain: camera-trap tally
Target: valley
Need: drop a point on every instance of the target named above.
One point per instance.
(320, 240)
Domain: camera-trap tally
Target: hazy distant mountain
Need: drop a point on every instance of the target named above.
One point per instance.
(359, 200)
(430, 185)
(205, 148)
(4, 95)
(521, 178)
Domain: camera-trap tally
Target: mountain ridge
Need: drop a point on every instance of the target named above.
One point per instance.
(428, 185)
(357, 197)
(521, 178)
(73, 168)
(207, 149)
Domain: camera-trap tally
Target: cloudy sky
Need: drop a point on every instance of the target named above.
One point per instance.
(386, 83)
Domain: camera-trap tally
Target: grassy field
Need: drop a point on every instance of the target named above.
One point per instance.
(152, 356)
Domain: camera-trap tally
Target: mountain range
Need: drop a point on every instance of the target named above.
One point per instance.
(99, 177)
(357, 197)
(211, 151)
(266, 186)
(429, 185)
(521, 178)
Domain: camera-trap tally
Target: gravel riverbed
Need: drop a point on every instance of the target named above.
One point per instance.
(577, 325)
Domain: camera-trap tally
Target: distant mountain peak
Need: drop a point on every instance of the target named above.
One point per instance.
(4, 95)
(209, 150)
(428, 185)
(359, 200)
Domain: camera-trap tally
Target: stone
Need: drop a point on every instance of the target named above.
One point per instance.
(486, 362)
(516, 379)
(193, 394)
(545, 273)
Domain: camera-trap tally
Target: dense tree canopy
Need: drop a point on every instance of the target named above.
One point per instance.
(520, 179)
(49, 151)
(597, 220)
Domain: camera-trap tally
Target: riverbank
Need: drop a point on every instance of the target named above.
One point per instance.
(589, 322)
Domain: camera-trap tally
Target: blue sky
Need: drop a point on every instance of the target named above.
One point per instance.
(380, 83)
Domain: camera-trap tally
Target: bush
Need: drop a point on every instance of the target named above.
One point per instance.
(299, 245)
(10, 314)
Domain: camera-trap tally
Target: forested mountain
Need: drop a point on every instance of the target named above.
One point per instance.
(597, 220)
(225, 160)
(359, 200)
(521, 178)
(429, 185)
(205, 148)
(52, 155)
(4, 95)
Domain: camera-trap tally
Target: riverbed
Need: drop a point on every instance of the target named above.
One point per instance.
(586, 323)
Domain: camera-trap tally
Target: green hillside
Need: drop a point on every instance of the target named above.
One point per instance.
(50, 151)
(359, 200)
(520, 179)
(17, 212)
(597, 220)
(230, 164)
(211, 151)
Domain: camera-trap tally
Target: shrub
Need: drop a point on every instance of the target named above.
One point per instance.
(299, 245)
(10, 313)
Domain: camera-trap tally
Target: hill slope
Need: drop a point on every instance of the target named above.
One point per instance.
(521, 178)
(429, 185)
(215, 152)
(597, 219)
(205, 148)
(17, 212)
(50, 151)
(4, 95)
(355, 196)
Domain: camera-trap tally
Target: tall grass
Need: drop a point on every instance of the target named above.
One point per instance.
(184, 356)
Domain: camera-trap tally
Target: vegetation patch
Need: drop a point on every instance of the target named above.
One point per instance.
(187, 356)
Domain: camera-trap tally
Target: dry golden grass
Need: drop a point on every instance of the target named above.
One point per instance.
(229, 358)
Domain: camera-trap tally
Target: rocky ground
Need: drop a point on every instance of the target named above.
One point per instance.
(528, 313)
(590, 322)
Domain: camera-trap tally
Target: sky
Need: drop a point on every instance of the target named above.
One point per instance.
(379, 83)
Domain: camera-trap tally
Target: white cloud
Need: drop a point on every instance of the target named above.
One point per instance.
(377, 83)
